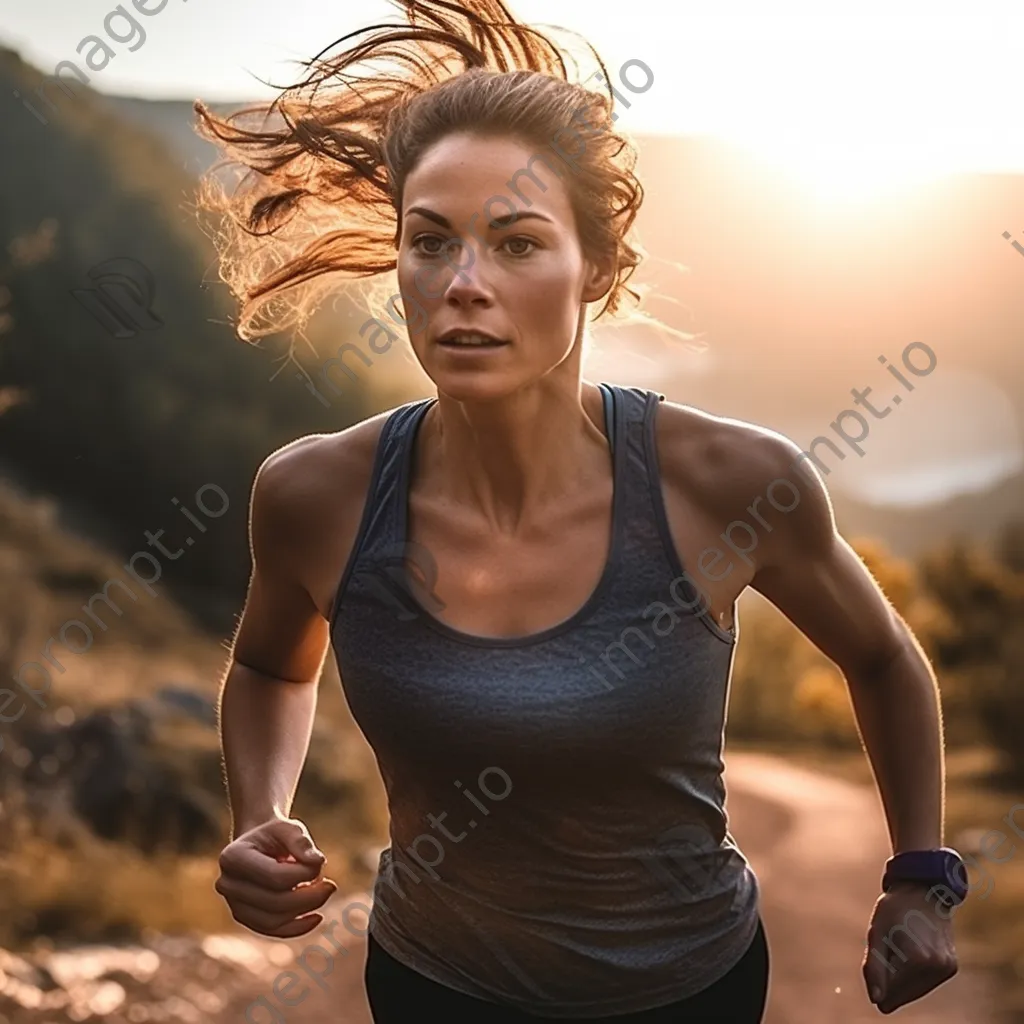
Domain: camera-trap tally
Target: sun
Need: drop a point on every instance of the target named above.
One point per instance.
(850, 174)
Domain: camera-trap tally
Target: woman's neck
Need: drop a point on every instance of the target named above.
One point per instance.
(510, 459)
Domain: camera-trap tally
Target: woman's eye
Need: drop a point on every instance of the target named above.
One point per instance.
(523, 241)
(441, 245)
(418, 242)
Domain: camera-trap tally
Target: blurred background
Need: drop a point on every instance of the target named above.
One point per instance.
(827, 184)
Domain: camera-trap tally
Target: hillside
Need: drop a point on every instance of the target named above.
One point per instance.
(119, 420)
(913, 531)
(121, 765)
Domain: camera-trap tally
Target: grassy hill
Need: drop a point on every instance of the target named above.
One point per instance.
(119, 426)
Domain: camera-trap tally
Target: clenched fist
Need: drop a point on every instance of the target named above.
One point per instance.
(270, 878)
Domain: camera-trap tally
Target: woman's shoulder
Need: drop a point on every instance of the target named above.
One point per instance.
(723, 462)
(304, 469)
(309, 496)
(315, 465)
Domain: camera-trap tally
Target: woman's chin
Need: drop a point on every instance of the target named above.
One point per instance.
(476, 386)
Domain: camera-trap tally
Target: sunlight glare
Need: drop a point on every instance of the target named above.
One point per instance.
(855, 175)
(853, 107)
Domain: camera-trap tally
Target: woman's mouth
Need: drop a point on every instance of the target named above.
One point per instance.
(470, 339)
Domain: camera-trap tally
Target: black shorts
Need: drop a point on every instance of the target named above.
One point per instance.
(400, 995)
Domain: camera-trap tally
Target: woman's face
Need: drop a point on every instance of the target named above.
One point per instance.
(521, 282)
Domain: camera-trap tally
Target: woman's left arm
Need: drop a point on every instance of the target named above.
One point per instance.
(813, 576)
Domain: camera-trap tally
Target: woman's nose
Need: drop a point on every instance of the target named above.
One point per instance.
(469, 281)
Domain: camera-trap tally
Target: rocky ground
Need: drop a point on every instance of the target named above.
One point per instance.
(219, 978)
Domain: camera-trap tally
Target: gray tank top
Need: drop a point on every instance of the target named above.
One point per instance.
(558, 838)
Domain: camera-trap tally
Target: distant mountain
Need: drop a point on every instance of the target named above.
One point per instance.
(912, 531)
(171, 121)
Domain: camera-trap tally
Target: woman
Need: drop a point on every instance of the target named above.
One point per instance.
(563, 696)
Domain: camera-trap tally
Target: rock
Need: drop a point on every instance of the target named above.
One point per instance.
(106, 769)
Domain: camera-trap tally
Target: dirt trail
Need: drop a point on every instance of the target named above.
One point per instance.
(817, 845)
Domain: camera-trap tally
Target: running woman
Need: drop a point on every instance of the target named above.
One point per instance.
(524, 579)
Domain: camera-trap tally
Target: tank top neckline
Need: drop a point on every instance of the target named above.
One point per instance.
(614, 419)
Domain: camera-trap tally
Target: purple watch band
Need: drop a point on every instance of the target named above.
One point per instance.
(940, 867)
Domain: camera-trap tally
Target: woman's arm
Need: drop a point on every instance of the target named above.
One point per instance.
(818, 582)
(266, 725)
(304, 515)
(813, 576)
(269, 695)
(746, 496)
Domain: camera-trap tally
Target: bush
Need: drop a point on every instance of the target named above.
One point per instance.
(982, 646)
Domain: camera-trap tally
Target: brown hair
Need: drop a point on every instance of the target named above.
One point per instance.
(320, 193)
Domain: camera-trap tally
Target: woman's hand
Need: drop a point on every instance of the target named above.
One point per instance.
(270, 878)
(924, 955)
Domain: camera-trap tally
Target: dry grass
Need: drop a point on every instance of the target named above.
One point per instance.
(78, 887)
(104, 891)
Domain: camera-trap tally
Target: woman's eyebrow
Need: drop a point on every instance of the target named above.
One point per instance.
(495, 225)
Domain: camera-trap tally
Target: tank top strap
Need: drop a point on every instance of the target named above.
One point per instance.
(636, 465)
(378, 551)
(390, 481)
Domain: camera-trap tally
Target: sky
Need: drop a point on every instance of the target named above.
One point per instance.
(850, 96)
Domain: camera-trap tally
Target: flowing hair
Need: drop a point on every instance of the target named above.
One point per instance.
(319, 173)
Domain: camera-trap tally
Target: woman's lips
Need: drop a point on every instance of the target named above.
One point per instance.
(472, 345)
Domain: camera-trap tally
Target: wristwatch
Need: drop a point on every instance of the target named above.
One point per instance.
(942, 867)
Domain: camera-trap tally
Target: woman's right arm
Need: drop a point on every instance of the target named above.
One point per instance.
(268, 702)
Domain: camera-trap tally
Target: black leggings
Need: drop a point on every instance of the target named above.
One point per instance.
(399, 995)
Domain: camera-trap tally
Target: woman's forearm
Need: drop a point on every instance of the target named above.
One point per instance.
(899, 715)
(265, 727)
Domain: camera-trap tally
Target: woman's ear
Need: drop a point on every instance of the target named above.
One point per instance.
(599, 279)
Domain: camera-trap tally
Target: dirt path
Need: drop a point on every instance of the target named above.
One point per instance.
(817, 845)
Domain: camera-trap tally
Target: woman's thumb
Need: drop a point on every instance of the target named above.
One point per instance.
(294, 837)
